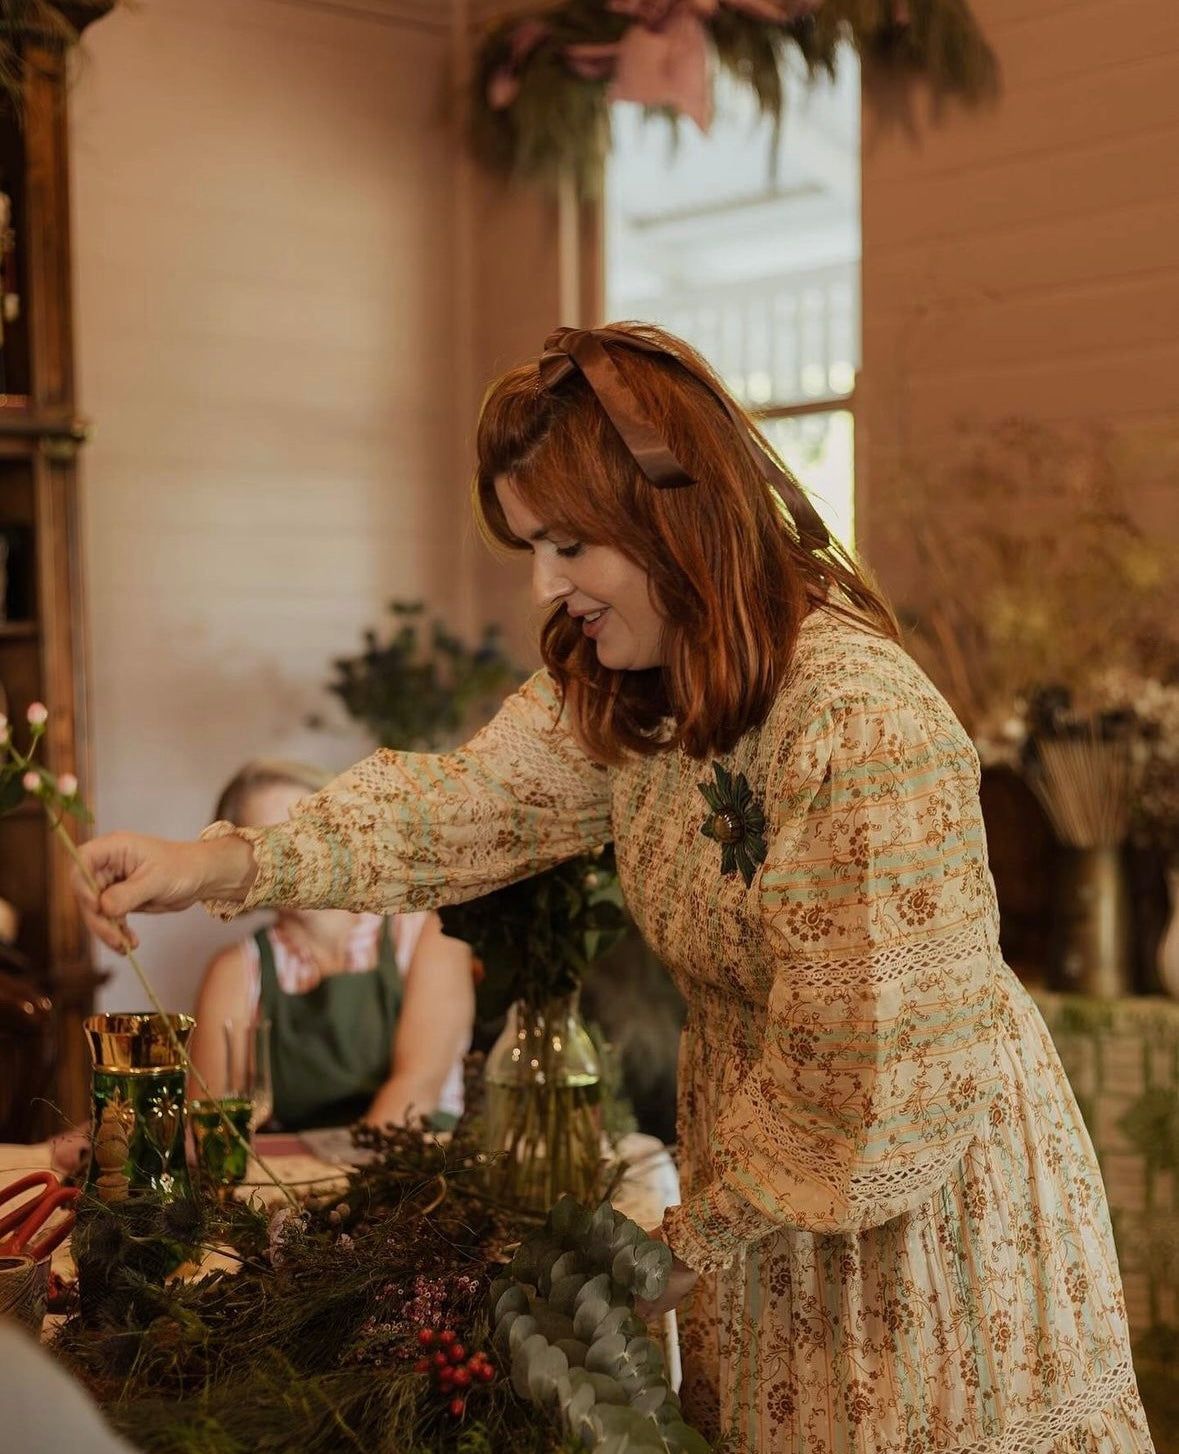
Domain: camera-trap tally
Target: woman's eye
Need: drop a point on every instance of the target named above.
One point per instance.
(570, 552)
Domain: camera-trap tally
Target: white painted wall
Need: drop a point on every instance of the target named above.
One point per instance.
(263, 241)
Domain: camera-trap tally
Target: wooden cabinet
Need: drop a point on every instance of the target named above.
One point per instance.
(41, 635)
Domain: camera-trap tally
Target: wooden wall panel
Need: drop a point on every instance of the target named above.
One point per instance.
(1025, 260)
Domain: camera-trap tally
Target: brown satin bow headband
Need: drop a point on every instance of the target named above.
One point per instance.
(584, 349)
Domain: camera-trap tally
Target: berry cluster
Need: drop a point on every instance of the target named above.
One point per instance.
(455, 1374)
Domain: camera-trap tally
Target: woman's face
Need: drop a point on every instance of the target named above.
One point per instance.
(606, 593)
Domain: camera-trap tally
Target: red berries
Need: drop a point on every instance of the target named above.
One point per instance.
(454, 1372)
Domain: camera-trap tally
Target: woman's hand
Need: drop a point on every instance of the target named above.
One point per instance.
(69, 1152)
(133, 873)
(680, 1282)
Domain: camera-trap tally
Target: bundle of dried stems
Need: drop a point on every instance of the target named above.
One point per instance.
(1087, 784)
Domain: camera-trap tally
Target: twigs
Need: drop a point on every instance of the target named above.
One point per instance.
(1086, 784)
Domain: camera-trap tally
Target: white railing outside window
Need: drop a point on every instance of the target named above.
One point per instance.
(758, 268)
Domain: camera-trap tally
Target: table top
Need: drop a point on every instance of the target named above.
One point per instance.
(317, 1160)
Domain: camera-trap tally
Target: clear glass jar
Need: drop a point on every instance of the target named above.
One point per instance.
(542, 1109)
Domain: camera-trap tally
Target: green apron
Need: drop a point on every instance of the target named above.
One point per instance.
(330, 1049)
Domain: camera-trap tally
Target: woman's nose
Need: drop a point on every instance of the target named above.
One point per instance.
(549, 582)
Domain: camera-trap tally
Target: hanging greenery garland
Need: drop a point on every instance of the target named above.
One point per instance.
(542, 82)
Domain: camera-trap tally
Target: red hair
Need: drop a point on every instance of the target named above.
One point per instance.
(724, 561)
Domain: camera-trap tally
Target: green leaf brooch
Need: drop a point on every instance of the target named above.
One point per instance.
(736, 822)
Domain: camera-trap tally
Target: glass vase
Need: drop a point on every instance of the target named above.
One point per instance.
(1092, 947)
(542, 1107)
(1167, 961)
(137, 1125)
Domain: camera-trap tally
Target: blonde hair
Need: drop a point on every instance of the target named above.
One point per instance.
(266, 772)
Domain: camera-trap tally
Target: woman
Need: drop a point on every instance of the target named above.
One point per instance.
(370, 1015)
(890, 1202)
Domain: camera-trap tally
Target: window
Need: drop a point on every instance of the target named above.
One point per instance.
(754, 258)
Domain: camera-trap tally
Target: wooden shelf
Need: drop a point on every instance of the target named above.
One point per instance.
(41, 657)
(26, 422)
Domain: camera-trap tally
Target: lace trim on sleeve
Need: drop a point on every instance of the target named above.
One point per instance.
(876, 1076)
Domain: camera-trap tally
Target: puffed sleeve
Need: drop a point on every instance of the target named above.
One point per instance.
(878, 1062)
(402, 831)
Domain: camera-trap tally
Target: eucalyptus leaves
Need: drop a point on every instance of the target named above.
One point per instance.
(564, 1322)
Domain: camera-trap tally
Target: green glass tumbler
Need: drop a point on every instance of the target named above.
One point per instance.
(138, 1114)
(221, 1156)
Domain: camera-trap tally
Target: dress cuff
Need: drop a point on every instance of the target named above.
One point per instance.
(260, 890)
(711, 1229)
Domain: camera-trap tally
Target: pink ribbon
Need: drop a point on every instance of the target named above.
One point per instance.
(591, 60)
(661, 60)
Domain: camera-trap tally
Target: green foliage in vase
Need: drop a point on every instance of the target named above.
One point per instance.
(564, 1323)
(537, 937)
(424, 687)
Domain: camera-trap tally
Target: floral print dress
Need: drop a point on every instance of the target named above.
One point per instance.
(886, 1182)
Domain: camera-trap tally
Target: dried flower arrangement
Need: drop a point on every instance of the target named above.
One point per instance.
(48, 22)
(1045, 610)
(1151, 708)
(374, 1316)
(1028, 570)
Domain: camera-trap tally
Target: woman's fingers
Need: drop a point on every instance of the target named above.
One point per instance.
(125, 873)
(680, 1282)
(69, 1151)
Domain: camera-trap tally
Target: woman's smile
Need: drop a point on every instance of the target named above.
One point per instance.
(602, 589)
